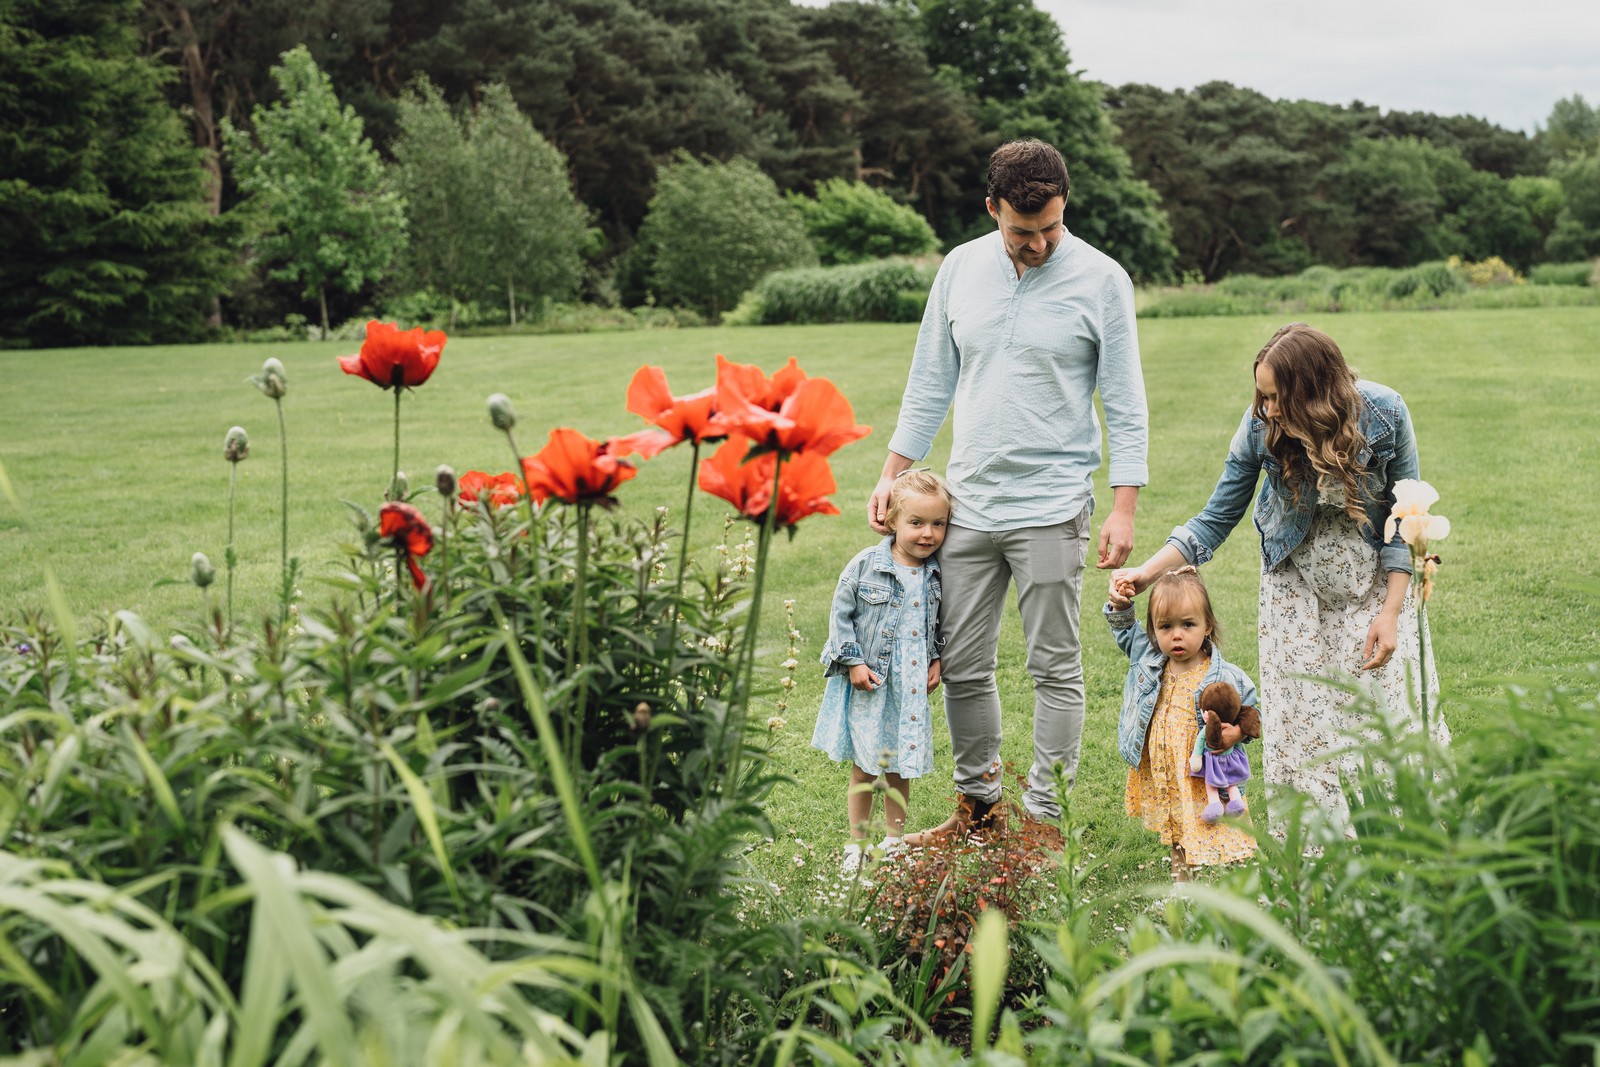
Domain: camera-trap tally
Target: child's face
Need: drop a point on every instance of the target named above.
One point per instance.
(919, 527)
(1181, 629)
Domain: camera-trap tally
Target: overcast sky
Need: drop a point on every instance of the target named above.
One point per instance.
(1506, 62)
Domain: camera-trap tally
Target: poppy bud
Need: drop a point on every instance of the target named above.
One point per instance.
(236, 445)
(400, 486)
(641, 716)
(501, 412)
(444, 480)
(272, 381)
(201, 572)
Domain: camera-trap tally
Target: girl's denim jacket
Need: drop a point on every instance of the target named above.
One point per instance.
(866, 611)
(1390, 455)
(1143, 685)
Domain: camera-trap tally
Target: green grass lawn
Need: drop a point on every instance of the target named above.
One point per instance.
(117, 456)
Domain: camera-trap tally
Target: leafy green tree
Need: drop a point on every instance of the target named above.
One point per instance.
(489, 209)
(1572, 128)
(1388, 186)
(908, 130)
(1577, 230)
(433, 174)
(1010, 56)
(851, 222)
(317, 186)
(1226, 163)
(104, 235)
(1542, 200)
(714, 230)
(530, 232)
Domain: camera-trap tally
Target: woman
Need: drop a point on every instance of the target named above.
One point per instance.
(1334, 595)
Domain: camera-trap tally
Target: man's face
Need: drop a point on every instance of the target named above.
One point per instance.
(1030, 238)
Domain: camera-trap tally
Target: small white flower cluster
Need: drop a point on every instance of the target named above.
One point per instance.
(790, 665)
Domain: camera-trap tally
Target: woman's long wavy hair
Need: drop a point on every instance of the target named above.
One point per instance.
(1318, 429)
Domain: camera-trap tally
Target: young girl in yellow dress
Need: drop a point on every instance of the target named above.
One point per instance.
(1170, 663)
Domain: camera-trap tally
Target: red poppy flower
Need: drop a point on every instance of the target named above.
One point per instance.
(391, 357)
(575, 470)
(803, 487)
(683, 418)
(403, 526)
(501, 490)
(790, 413)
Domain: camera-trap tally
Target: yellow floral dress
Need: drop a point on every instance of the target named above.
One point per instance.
(1161, 791)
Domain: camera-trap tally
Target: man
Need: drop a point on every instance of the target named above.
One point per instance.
(1022, 326)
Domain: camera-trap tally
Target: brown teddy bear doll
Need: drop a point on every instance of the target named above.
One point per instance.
(1223, 768)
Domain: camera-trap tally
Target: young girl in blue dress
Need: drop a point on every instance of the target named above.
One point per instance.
(882, 660)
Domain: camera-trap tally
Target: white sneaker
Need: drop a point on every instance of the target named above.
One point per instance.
(889, 846)
(850, 866)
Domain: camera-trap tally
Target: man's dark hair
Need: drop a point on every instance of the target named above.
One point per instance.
(1026, 174)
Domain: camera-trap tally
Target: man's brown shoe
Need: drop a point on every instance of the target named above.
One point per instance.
(971, 816)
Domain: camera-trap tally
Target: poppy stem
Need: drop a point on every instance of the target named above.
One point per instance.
(231, 555)
(399, 572)
(394, 475)
(444, 549)
(683, 550)
(740, 710)
(578, 635)
(536, 601)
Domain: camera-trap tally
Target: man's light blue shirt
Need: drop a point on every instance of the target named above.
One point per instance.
(1017, 361)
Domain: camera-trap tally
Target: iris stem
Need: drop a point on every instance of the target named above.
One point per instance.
(283, 520)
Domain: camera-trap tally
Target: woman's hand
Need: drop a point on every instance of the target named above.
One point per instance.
(1231, 735)
(863, 677)
(1381, 641)
(933, 676)
(1126, 583)
(1381, 635)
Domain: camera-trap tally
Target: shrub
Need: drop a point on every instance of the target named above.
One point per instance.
(889, 290)
(851, 222)
(708, 261)
(1578, 273)
(1489, 272)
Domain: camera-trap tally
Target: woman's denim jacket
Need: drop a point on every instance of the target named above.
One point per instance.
(1390, 455)
(866, 611)
(1143, 685)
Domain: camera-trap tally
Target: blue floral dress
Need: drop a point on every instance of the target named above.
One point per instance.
(885, 729)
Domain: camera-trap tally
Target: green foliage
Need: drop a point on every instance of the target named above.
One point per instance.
(1476, 878)
(1010, 57)
(888, 290)
(318, 203)
(1577, 229)
(1572, 129)
(104, 236)
(1562, 273)
(1438, 284)
(851, 222)
(716, 229)
(409, 748)
(488, 204)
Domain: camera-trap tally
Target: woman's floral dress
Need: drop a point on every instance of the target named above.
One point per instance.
(1315, 610)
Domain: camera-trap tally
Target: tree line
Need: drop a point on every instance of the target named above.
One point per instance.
(518, 145)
